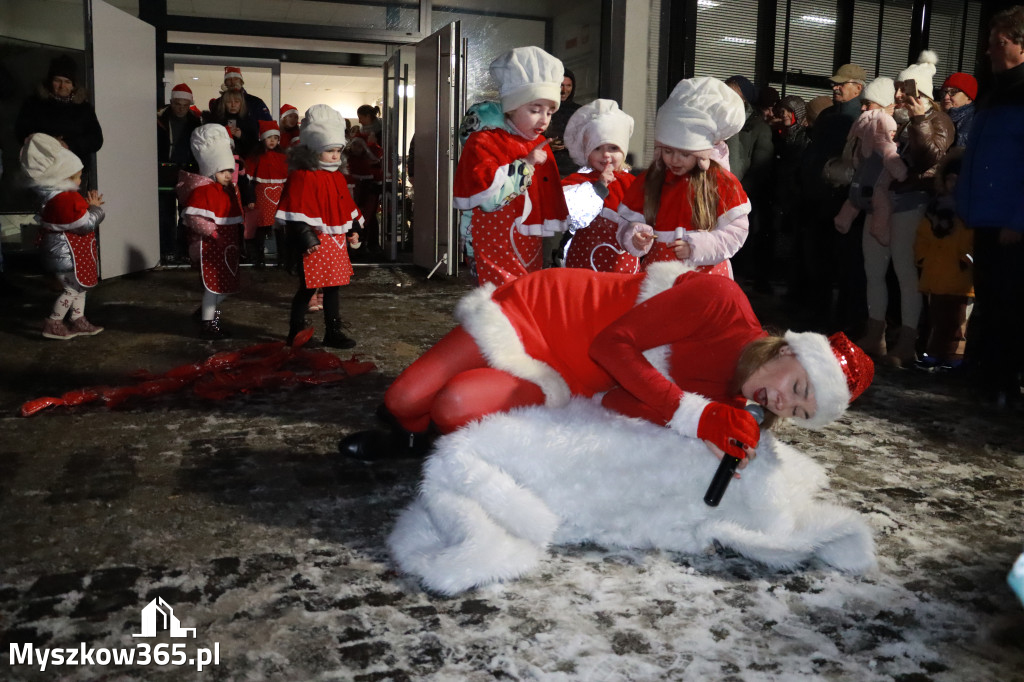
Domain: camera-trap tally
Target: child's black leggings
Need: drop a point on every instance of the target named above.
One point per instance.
(332, 303)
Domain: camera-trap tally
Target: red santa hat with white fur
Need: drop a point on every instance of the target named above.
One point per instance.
(838, 369)
(182, 91)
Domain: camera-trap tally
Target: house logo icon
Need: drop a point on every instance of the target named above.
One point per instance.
(158, 616)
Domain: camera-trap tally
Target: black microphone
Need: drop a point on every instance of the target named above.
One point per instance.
(727, 467)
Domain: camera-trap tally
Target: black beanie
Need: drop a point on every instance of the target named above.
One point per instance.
(63, 66)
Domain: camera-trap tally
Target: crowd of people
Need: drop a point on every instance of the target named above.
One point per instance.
(827, 195)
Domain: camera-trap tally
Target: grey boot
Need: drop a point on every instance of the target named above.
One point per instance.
(903, 354)
(873, 341)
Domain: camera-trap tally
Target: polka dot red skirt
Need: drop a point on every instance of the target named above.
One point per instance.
(597, 248)
(502, 253)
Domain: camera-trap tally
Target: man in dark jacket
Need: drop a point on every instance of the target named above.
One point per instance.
(175, 124)
(60, 110)
(819, 239)
(989, 198)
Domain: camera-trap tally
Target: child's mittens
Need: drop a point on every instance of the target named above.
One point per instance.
(844, 219)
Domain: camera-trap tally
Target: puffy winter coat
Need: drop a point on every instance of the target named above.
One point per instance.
(923, 143)
(73, 121)
(990, 190)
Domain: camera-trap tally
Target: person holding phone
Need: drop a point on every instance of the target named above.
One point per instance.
(924, 134)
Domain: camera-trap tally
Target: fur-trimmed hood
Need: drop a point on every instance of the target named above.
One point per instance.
(301, 157)
(79, 94)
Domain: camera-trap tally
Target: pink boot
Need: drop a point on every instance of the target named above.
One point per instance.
(55, 329)
(83, 327)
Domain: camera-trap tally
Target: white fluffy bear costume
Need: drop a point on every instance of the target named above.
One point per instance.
(875, 129)
(496, 493)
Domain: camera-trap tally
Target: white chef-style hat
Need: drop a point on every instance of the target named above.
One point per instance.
(322, 128)
(46, 162)
(527, 73)
(699, 113)
(592, 125)
(211, 145)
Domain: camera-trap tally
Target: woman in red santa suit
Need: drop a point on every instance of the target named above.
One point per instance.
(673, 346)
(507, 182)
(687, 206)
(213, 214)
(597, 137)
(318, 211)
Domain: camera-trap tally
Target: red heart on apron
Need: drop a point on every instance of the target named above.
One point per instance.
(231, 258)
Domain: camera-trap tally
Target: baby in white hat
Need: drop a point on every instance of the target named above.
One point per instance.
(67, 222)
(597, 137)
(506, 159)
(687, 206)
(213, 214)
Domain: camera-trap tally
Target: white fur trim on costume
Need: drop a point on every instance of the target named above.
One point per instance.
(487, 196)
(827, 377)
(498, 492)
(317, 222)
(661, 277)
(686, 418)
(630, 215)
(485, 321)
(210, 215)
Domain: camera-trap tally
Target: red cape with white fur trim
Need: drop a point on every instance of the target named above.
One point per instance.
(482, 170)
(675, 209)
(318, 198)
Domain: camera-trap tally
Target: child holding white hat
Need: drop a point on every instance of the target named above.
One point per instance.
(507, 181)
(687, 206)
(68, 225)
(213, 215)
(318, 211)
(597, 137)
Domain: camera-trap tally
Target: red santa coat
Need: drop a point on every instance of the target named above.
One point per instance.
(321, 199)
(596, 246)
(215, 219)
(662, 342)
(289, 138)
(268, 172)
(507, 242)
(69, 228)
(711, 249)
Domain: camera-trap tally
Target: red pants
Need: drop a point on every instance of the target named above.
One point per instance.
(451, 384)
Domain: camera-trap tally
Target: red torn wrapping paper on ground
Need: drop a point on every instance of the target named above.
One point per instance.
(222, 375)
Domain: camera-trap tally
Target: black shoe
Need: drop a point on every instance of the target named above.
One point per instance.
(335, 338)
(212, 331)
(371, 446)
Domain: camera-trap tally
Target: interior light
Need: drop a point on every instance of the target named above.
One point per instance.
(739, 41)
(195, 78)
(707, 3)
(816, 19)
(308, 83)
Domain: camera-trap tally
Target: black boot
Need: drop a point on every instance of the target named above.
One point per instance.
(211, 329)
(371, 446)
(334, 337)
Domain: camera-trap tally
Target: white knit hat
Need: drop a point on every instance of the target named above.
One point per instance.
(46, 162)
(211, 146)
(525, 74)
(922, 72)
(322, 127)
(592, 125)
(881, 91)
(699, 113)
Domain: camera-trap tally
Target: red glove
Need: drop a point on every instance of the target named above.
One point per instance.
(723, 425)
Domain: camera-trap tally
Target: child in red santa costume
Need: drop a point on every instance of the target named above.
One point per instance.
(267, 170)
(507, 181)
(289, 121)
(213, 215)
(673, 346)
(597, 137)
(68, 223)
(318, 212)
(687, 206)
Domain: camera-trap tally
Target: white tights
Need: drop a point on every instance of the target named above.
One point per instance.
(902, 233)
(210, 303)
(72, 299)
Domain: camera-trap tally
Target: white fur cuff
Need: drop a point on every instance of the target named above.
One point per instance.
(687, 415)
